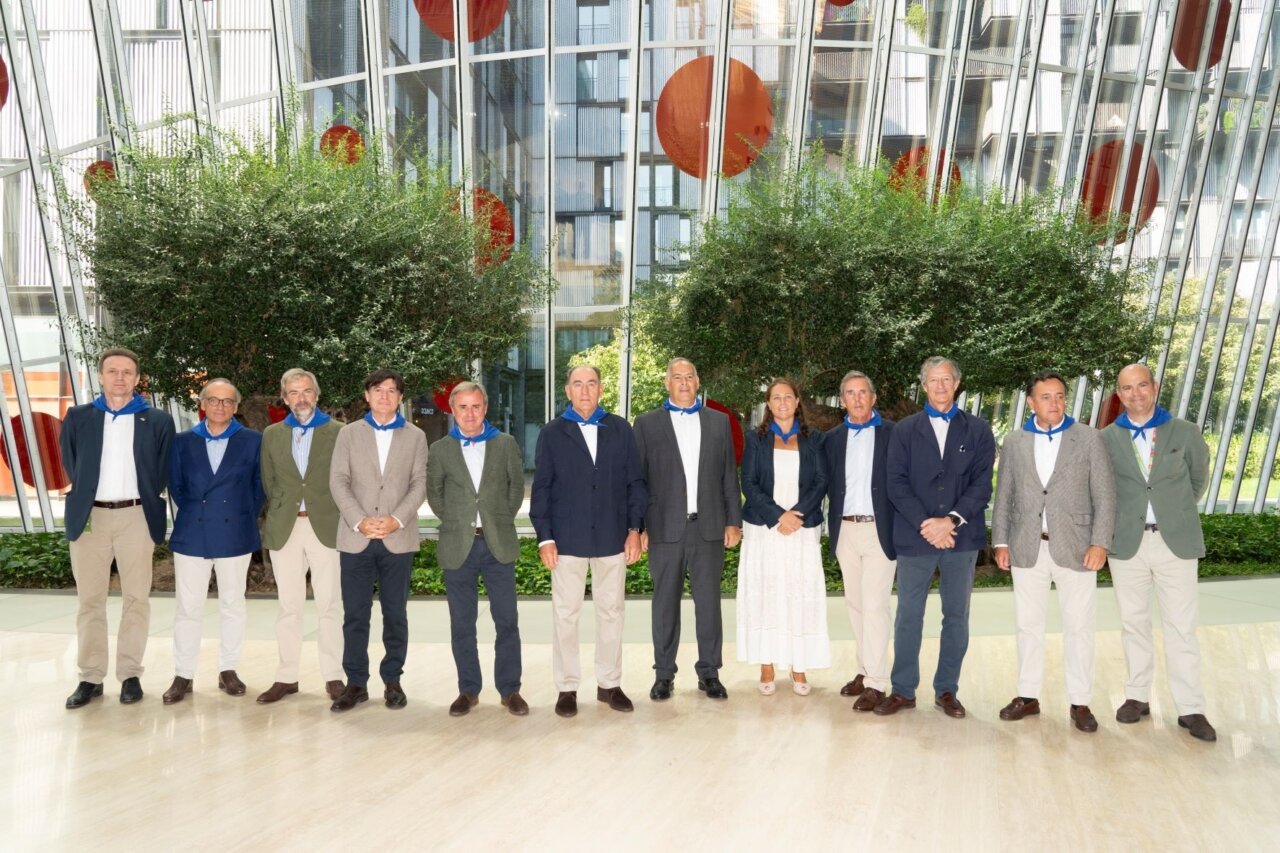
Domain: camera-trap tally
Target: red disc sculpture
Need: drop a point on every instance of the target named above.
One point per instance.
(342, 141)
(684, 113)
(4, 84)
(97, 172)
(47, 428)
(483, 17)
(440, 396)
(1188, 32)
(735, 427)
(1101, 172)
(912, 167)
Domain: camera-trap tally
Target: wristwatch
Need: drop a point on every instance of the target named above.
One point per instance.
(955, 518)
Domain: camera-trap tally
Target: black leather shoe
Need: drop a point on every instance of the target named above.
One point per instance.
(614, 698)
(1198, 726)
(515, 703)
(853, 688)
(351, 696)
(85, 692)
(131, 691)
(463, 704)
(180, 688)
(567, 704)
(713, 688)
(661, 690)
(394, 696)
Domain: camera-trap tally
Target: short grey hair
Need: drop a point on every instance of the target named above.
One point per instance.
(568, 376)
(937, 361)
(297, 373)
(682, 360)
(220, 381)
(857, 374)
(467, 388)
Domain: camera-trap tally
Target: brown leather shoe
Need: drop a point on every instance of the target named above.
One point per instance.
(515, 703)
(567, 704)
(230, 683)
(1019, 708)
(1198, 726)
(463, 704)
(616, 699)
(869, 699)
(334, 689)
(853, 688)
(1083, 718)
(393, 695)
(180, 688)
(949, 704)
(1132, 710)
(351, 696)
(277, 691)
(892, 704)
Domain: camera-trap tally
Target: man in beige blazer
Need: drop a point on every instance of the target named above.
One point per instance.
(378, 480)
(301, 532)
(475, 484)
(1162, 470)
(1052, 524)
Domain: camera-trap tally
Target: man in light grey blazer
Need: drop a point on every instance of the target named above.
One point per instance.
(378, 478)
(1162, 470)
(686, 455)
(475, 484)
(1052, 524)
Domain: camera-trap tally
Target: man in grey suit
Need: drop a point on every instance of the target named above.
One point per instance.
(1161, 468)
(475, 483)
(694, 513)
(378, 479)
(1052, 524)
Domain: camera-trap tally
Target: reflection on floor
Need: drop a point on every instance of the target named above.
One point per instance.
(217, 772)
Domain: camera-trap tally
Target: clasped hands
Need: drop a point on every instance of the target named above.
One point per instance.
(378, 527)
(939, 532)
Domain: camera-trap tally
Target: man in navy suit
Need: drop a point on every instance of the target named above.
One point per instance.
(216, 484)
(587, 506)
(116, 452)
(860, 529)
(939, 479)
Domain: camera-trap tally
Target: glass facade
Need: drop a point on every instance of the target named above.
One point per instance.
(610, 128)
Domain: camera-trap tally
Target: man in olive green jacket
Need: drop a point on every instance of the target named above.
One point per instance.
(475, 484)
(1161, 466)
(301, 530)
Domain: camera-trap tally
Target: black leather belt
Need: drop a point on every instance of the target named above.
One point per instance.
(1152, 528)
(859, 519)
(693, 516)
(1044, 536)
(118, 504)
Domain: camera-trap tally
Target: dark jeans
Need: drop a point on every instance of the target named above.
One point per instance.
(460, 585)
(956, 585)
(705, 564)
(359, 573)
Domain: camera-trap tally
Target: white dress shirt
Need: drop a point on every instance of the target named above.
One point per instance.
(117, 473)
(940, 431)
(1144, 446)
(1046, 456)
(216, 448)
(859, 457)
(688, 427)
(473, 455)
(301, 448)
(589, 434)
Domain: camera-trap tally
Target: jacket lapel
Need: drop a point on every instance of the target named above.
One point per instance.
(576, 438)
(232, 452)
(957, 432)
(486, 470)
(1066, 452)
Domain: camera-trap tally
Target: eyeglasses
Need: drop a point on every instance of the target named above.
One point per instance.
(224, 402)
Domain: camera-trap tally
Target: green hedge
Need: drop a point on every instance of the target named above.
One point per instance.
(1236, 545)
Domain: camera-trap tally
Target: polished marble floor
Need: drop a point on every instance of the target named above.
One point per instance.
(753, 773)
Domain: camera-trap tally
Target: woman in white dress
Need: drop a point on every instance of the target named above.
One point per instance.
(782, 596)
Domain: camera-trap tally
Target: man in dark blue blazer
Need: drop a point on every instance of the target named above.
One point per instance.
(587, 507)
(939, 479)
(216, 483)
(116, 453)
(860, 529)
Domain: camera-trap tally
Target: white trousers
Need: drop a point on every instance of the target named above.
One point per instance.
(568, 589)
(289, 565)
(1175, 582)
(191, 589)
(1078, 605)
(868, 587)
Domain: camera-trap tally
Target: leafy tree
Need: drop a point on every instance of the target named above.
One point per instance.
(648, 371)
(814, 271)
(226, 257)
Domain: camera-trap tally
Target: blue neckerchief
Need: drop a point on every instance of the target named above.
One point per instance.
(136, 404)
(1030, 426)
(571, 414)
(789, 434)
(873, 421)
(396, 423)
(318, 419)
(946, 416)
(1158, 417)
(672, 407)
(202, 429)
(489, 431)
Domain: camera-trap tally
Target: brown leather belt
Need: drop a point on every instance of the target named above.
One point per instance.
(1044, 536)
(118, 504)
(859, 519)
(302, 514)
(479, 531)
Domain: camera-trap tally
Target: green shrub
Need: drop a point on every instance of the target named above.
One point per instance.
(35, 561)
